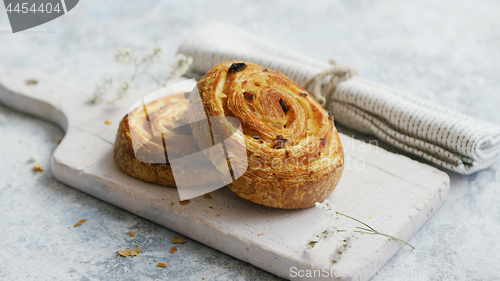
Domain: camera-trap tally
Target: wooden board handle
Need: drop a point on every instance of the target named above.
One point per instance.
(39, 94)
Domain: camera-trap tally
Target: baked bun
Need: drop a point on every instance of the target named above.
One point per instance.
(150, 127)
(294, 154)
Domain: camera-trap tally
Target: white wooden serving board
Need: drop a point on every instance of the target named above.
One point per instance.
(392, 193)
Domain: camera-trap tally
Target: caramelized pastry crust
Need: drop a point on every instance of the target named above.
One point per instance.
(294, 154)
(150, 127)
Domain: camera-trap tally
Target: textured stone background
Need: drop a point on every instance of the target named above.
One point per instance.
(445, 51)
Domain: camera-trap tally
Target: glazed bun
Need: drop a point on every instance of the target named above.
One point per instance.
(294, 154)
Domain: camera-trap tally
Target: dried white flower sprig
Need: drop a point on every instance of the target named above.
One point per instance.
(180, 65)
(142, 65)
(341, 235)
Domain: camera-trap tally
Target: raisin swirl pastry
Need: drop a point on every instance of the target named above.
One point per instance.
(146, 126)
(294, 154)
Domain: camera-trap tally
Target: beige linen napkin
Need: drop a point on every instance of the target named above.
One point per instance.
(445, 137)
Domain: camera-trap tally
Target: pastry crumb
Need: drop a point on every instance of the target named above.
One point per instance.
(108, 122)
(173, 250)
(79, 223)
(37, 167)
(136, 227)
(161, 264)
(129, 252)
(204, 277)
(260, 234)
(178, 240)
(33, 158)
(184, 202)
(59, 142)
(172, 203)
(85, 231)
(131, 234)
(111, 101)
(207, 196)
(31, 82)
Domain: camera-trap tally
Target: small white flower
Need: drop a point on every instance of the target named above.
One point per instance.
(123, 87)
(150, 56)
(327, 206)
(331, 213)
(102, 88)
(33, 157)
(180, 65)
(122, 55)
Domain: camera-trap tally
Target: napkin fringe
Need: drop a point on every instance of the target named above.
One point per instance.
(323, 85)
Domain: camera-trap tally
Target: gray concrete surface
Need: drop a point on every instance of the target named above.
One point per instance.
(445, 51)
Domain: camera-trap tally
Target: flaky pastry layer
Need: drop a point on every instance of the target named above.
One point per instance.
(294, 154)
